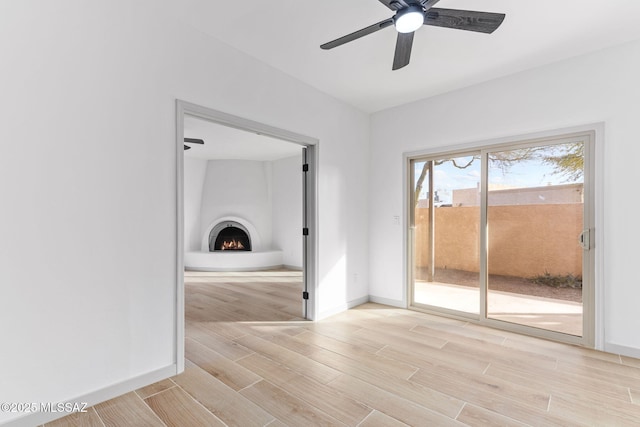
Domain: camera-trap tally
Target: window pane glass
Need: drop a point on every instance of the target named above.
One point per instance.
(446, 237)
(535, 219)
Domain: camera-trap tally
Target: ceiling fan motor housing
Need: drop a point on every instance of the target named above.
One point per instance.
(409, 19)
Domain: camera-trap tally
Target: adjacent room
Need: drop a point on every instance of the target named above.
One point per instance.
(363, 213)
(243, 199)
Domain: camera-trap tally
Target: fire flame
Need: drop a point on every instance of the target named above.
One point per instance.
(231, 245)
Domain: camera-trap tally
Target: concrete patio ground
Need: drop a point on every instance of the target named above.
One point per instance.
(539, 312)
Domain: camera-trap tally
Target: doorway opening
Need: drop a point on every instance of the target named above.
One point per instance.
(502, 234)
(246, 208)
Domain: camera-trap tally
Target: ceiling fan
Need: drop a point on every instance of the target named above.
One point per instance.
(413, 14)
(192, 141)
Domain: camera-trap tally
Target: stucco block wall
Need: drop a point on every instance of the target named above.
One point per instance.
(524, 240)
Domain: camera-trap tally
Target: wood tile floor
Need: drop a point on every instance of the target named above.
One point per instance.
(251, 361)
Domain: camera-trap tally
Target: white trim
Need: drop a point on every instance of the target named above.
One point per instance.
(387, 301)
(95, 397)
(219, 117)
(503, 140)
(213, 270)
(599, 243)
(179, 334)
(358, 301)
(407, 236)
(622, 350)
(313, 241)
(343, 307)
(244, 124)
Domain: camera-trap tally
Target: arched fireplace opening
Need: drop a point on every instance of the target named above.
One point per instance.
(229, 236)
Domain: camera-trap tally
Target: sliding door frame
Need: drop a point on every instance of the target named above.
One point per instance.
(410, 229)
(593, 292)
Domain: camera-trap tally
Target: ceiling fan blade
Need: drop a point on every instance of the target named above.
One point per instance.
(482, 22)
(357, 34)
(186, 147)
(403, 50)
(193, 141)
(394, 4)
(401, 4)
(428, 4)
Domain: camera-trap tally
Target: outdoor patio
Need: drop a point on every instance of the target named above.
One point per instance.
(540, 312)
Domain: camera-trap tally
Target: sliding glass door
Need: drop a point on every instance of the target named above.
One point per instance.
(446, 218)
(535, 217)
(503, 235)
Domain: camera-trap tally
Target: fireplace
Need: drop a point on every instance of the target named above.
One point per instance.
(229, 236)
(253, 256)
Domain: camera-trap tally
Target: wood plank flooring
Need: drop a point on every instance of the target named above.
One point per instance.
(252, 361)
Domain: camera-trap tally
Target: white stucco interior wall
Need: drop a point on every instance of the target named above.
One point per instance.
(599, 87)
(242, 189)
(88, 169)
(287, 209)
(194, 173)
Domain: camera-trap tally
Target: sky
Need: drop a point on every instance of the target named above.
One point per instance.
(529, 173)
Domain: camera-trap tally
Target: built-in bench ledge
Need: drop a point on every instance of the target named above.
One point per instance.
(232, 260)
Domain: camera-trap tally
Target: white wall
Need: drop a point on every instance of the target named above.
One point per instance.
(87, 178)
(267, 194)
(238, 188)
(287, 209)
(194, 174)
(588, 89)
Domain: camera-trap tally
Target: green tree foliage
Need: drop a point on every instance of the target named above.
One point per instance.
(567, 160)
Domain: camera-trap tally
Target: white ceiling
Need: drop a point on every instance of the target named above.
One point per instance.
(226, 143)
(287, 34)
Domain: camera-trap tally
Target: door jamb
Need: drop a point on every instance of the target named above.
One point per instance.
(237, 122)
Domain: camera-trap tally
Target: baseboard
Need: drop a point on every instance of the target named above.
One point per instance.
(93, 398)
(357, 302)
(386, 301)
(339, 309)
(227, 270)
(622, 350)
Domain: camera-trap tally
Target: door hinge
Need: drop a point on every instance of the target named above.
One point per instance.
(305, 231)
(305, 167)
(305, 295)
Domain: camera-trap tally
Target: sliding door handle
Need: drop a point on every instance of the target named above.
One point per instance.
(585, 239)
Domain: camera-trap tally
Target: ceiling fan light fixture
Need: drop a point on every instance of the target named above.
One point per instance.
(411, 15)
(409, 19)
